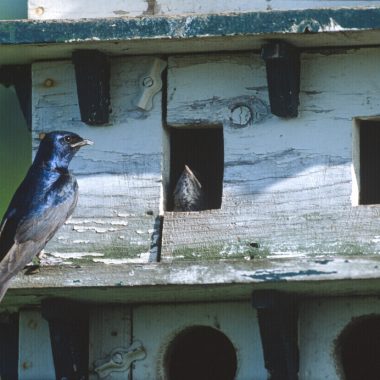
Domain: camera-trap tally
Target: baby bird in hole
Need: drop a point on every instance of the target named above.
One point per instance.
(42, 203)
(188, 194)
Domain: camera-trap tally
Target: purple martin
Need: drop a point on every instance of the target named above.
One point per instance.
(188, 194)
(44, 200)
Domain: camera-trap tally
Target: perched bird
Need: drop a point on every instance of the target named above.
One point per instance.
(41, 204)
(188, 194)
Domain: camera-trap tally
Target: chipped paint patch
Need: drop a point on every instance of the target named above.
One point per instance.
(77, 221)
(143, 258)
(75, 255)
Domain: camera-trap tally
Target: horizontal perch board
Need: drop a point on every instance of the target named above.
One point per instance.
(187, 282)
(52, 39)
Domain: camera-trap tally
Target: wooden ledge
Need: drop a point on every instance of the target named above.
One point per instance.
(57, 39)
(191, 281)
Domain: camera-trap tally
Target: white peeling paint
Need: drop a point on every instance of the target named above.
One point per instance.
(143, 258)
(75, 255)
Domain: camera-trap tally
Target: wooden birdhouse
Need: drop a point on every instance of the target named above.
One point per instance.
(228, 218)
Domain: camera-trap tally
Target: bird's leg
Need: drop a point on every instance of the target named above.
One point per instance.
(34, 266)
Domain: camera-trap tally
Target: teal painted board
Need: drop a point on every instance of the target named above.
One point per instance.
(250, 23)
(57, 39)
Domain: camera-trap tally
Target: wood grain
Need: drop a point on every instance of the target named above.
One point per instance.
(287, 183)
(119, 177)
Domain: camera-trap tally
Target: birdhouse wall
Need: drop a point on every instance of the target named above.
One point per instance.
(289, 187)
(119, 176)
(324, 322)
(72, 9)
(288, 183)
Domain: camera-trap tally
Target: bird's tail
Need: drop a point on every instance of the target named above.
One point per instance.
(3, 289)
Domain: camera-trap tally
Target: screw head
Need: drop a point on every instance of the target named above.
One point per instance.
(241, 115)
(117, 358)
(49, 82)
(39, 11)
(148, 82)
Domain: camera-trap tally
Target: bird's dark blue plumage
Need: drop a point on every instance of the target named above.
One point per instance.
(41, 204)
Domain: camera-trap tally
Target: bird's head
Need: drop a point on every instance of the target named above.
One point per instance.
(58, 148)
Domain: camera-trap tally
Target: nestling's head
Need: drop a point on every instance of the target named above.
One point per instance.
(58, 148)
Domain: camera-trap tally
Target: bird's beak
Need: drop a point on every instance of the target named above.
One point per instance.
(82, 143)
(192, 175)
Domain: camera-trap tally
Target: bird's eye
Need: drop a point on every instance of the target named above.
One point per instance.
(68, 139)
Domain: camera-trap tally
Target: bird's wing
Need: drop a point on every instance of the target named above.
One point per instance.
(21, 240)
(43, 226)
(15, 260)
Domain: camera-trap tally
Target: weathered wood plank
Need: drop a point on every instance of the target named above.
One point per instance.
(53, 9)
(287, 183)
(202, 281)
(35, 356)
(110, 328)
(157, 325)
(119, 177)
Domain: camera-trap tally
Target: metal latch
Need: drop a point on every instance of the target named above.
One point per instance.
(119, 359)
(150, 84)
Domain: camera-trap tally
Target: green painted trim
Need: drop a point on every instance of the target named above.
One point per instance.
(24, 32)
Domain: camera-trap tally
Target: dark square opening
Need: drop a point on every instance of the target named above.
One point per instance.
(202, 150)
(369, 143)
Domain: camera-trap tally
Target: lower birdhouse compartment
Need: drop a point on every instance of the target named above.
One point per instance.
(342, 334)
(335, 338)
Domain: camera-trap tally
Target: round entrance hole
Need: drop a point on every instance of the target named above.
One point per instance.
(201, 353)
(358, 348)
